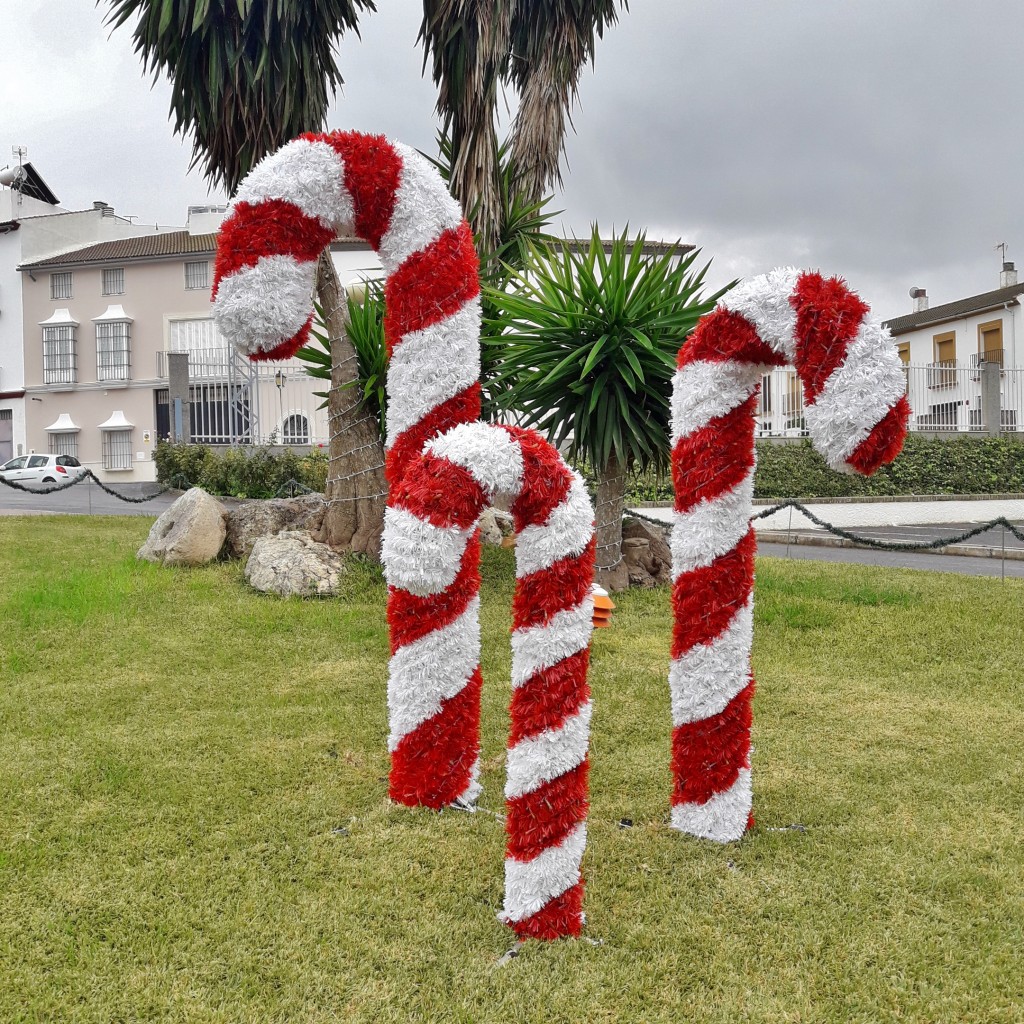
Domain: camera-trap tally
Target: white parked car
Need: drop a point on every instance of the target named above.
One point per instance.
(43, 469)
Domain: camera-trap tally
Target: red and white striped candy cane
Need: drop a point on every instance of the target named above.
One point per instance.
(288, 208)
(856, 413)
(431, 554)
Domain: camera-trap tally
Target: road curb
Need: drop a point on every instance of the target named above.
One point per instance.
(964, 550)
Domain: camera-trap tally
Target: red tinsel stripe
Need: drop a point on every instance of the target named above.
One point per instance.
(431, 285)
(411, 617)
(543, 818)
(273, 227)
(560, 917)
(722, 336)
(287, 348)
(563, 584)
(548, 698)
(440, 492)
(828, 316)
(884, 442)
(433, 764)
(707, 755)
(716, 458)
(373, 171)
(705, 600)
(546, 480)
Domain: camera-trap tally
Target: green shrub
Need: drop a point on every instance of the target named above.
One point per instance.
(257, 472)
(927, 465)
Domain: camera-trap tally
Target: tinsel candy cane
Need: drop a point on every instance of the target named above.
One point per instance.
(856, 413)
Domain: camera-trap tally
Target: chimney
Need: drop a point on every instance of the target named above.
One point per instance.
(1009, 275)
(920, 297)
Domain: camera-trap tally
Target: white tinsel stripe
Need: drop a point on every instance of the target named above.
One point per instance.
(566, 533)
(424, 209)
(711, 528)
(531, 885)
(490, 454)
(703, 391)
(261, 306)
(309, 175)
(708, 676)
(432, 365)
(469, 796)
(418, 556)
(548, 754)
(428, 671)
(857, 395)
(538, 647)
(764, 302)
(723, 818)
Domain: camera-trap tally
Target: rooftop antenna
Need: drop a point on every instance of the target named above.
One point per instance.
(1004, 247)
(16, 179)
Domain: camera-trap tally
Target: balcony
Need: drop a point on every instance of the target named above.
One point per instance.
(203, 364)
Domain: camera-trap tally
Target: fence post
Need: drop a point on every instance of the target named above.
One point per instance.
(991, 412)
(177, 388)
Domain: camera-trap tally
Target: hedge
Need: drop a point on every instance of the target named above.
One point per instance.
(927, 465)
(258, 472)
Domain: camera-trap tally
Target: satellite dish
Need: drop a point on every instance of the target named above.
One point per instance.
(11, 176)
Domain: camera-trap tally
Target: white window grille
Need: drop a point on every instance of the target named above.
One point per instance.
(59, 364)
(117, 449)
(60, 286)
(113, 351)
(197, 275)
(64, 443)
(295, 430)
(113, 281)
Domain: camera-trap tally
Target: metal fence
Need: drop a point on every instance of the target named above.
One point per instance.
(944, 397)
(235, 401)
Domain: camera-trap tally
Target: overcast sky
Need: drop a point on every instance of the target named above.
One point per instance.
(877, 139)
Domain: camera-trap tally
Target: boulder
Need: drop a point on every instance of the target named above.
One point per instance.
(254, 519)
(646, 552)
(293, 564)
(190, 532)
(496, 526)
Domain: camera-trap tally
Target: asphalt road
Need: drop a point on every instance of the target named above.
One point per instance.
(82, 499)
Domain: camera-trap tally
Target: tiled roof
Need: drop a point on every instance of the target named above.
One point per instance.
(140, 247)
(954, 310)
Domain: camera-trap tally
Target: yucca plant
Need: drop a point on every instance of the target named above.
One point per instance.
(587, 337)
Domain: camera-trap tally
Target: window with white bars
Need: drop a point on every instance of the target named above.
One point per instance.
(64, 443)
(60, 286)
(113, 351)
(197, 275)
(117, 449)
(59, 364)
(113, 281)
(295, 430)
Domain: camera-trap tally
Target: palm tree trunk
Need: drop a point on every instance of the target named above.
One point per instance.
(356, 489)
(610, 570)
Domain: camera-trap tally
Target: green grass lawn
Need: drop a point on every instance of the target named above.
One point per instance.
(194, 823)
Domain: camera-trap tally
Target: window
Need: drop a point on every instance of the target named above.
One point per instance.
(208, 353)
(943, 370)
(113, 351)
(766, 394)
(990, 342)
(65, 444)
(60, 286)
(295, 430)
(59, 365)
(197, 275)
(113, 281)
(117, 449)
(903, 348)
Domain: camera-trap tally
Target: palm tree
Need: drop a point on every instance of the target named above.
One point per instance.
(247, 76)
(587, 341)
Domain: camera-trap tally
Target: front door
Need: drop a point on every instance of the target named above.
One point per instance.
(6, 435)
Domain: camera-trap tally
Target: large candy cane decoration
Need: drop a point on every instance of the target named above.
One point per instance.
(856, 413)
(288, 208)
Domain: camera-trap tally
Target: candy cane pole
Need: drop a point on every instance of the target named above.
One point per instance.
(291, 206)
(856, 413)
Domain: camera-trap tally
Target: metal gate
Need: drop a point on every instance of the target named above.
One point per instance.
(6, 435)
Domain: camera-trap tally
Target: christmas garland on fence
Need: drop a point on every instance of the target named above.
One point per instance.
(856, 414)
(286, 211)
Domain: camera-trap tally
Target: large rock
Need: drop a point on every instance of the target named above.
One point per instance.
(496, 526)
(646, 552)
(293, 564)
(254, 519)
(190, 532)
